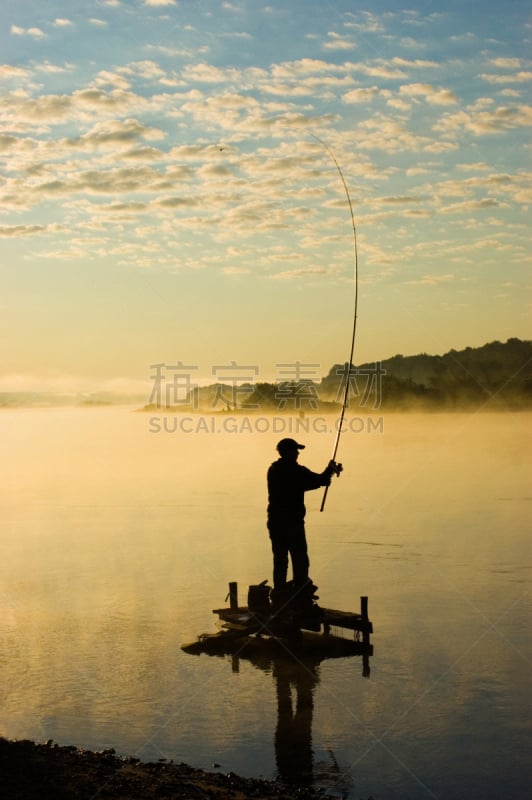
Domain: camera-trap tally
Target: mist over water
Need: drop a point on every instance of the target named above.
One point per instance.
(119, 540)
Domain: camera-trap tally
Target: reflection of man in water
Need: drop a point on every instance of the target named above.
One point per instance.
(293, 735)
(287, 483)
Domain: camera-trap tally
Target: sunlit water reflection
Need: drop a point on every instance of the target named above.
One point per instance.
(118, 542)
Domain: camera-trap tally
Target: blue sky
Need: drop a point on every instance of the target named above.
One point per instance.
(164, 198)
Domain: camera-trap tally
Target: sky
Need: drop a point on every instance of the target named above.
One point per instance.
(170, 194)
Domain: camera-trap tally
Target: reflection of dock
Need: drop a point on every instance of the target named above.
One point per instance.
(305, 628)
(288, 641)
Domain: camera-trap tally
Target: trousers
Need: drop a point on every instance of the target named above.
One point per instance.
(289, 540)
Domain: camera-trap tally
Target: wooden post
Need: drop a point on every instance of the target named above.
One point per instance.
(366, 671)
(233, 596)
(365, 636)
(365, 618)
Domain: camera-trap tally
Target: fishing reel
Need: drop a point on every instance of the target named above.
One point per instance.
(334, 468)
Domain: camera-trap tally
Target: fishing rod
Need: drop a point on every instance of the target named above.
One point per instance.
(355, 314)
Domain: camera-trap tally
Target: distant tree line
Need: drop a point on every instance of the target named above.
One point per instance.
(496, 376)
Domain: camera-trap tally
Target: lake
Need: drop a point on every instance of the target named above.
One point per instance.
(122, 530)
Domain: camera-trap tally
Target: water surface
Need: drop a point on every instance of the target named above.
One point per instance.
(118, 542)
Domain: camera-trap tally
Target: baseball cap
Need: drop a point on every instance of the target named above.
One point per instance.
(289, 444)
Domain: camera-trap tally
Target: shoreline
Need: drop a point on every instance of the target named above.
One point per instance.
(33, 771)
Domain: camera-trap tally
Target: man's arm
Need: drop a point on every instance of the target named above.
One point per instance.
(313, 480)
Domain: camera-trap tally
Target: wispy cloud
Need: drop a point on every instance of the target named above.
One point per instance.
(303, 272)
(436, 96)
(336, 41)
(36, 33)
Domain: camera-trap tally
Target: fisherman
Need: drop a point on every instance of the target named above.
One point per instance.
(287, 483)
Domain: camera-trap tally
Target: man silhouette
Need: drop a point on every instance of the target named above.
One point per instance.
(287, 483)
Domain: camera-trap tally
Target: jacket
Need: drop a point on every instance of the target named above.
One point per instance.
(287, 483)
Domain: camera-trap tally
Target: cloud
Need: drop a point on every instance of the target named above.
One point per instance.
(516, 77)
(337, 42)
(410, 17)
(113, 181)
(54, 69)
(181, 52)
(9, 71)
(47, 108)
(15, 231)
(466, 37)
(107, 79)
(432, 280)
(81, 105)
(236, 271)
(360, 95)
(116, 132)
(159, 2)
(303, 66)
(469, 206)
(479, 121)
(473, 167)
(313, 66)
(411, 171)
(410, 43)
(442, 97)
(121, 208)
(400, 105)
(178, 202)
(236, 35)
(36, 33)
(205, 73)
(60, 22)
(364, 21)
(491, 244)
(391, 135)
(506, 63)
(429, 93)
(417, 63)
(142, 154)
(148, 70)
(398, 200)
(380, 69)
(302, 272)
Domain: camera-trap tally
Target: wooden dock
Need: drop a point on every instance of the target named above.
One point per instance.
(290, 626)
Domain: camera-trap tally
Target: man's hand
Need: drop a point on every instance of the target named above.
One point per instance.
(334, 468)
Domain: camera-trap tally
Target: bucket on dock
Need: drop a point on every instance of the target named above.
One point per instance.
(259, 598)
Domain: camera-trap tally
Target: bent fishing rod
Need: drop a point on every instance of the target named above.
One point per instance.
(355, 314)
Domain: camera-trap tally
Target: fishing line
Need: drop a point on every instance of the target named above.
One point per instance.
(355, 314)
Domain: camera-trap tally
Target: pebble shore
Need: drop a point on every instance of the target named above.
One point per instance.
(31, 771)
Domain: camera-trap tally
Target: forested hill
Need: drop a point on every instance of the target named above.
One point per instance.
(497, 375)
(494, 377)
